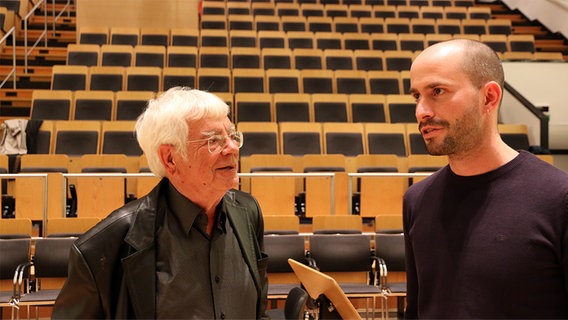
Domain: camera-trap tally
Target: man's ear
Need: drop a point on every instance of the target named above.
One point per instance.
(166, 154)
(492, 94)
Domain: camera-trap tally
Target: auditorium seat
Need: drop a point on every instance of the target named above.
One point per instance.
(77, 137)
(283, 81)
(307, 58)
(287, 9)
(301, 138)
(318, 192)
(246, 58)
(343, 138)
(328, 40)
(259, 138)
(98, 197)
(262, 9)
(474, 26)
(367, 107)
(276, 58)
(384, 82)
(83, 54)
(213, 38)
(311, 9)
(214, 79)
(416, 144)
(398, 60)
(431, 12)
(214, 57)
(499, 26)
(213, 8)
(243, 38)
(69, 77)
(110, 78)
(93, 105)
(451, 12)
(150, 56)
(51, 105)
(119, 137)
(130, 104)
(144, 79)
(372, 25)
(380, 195)
(497, 42)
(449, 26)
(521, 42)
(319, 24)
(184, 37)
(384, 41)
(213, 22)
(125, 35)
(351, 82)
(178, 77)
(330, 108)
(368, 60)
(408, 11)
(292, 107)
(271, 39)
(346, 25)
(336, 10)
(181, 56)
(238, 8)
(401, 108)
(155, 36)
(397, 25)
(386, 138)
(117, 55)
(253, 107)
(294, 23)
(356, 41)
(423, 26)
(267, 22)
(411, 42)
(384, 11)
(478, 12)
(338, 59)
(360, 10)
(300, 40)
(248, 80)
(93, 35)
(317, 81)
(240, 22)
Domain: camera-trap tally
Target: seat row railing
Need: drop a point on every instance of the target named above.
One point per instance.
(66, 176)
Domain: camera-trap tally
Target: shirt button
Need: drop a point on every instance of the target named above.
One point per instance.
(217, 279)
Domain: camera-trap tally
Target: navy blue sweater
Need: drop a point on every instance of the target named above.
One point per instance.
(489, 246)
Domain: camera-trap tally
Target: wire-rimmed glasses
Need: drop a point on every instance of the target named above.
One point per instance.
(217, 142)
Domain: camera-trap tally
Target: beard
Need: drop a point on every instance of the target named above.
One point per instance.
(463, 135)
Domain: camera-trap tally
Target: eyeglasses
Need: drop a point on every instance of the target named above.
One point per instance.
(217, 142)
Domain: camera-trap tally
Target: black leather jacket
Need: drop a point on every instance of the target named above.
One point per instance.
(112, 268)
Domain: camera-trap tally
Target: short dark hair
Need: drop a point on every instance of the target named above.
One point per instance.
(481, 64)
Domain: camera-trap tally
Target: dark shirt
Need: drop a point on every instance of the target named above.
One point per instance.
(200, 276)
(489, 246)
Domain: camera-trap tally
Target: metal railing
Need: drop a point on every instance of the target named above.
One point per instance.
(329, 175)
(12, 73)
(43, 35)
(56, 16)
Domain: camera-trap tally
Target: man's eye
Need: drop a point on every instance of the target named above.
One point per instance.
(235, 137)
(416, 96)
(216, 139)
(438, 91)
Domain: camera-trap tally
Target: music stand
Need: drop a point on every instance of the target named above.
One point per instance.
(317, 284)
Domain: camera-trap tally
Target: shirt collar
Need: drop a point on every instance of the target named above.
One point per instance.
(186, 212)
